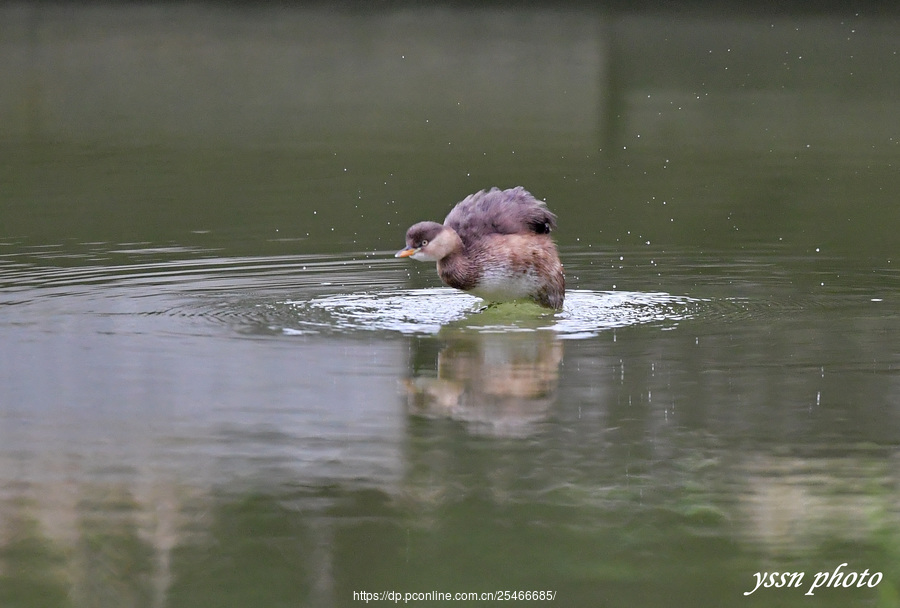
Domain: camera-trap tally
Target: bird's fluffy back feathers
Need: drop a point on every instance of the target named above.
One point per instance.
(495, 211)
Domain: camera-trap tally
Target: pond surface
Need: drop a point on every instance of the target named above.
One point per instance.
(219, 387)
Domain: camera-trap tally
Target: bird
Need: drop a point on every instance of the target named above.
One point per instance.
(496, 245)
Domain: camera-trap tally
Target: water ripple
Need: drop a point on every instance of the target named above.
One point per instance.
(298, 295)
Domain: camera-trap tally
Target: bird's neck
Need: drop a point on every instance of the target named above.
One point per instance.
(459, 270)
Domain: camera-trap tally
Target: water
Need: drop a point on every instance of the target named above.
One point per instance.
(219, 387)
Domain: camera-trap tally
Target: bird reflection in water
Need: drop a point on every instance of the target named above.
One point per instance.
(499, 384)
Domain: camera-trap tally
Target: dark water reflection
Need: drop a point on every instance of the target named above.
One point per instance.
(218, 387)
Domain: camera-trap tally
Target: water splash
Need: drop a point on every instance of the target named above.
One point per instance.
(421, 311)
(589, 312)
(427, 311)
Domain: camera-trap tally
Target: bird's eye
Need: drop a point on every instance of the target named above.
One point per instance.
(425, 242)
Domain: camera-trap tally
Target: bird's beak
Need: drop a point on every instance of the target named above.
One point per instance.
(405, 253)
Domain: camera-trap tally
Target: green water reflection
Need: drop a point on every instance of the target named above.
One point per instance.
(181, 426)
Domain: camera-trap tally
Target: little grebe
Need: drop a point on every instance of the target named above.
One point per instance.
(495, 244)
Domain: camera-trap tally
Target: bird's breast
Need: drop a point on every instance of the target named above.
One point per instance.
(505, 282)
